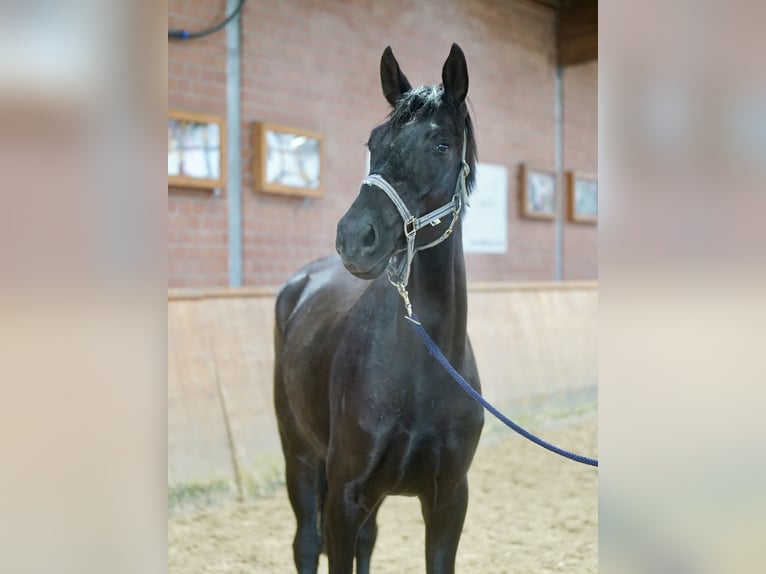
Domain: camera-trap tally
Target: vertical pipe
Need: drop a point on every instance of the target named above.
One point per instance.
(558, 112)
(234, 144)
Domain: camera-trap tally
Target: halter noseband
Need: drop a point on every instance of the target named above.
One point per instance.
(399, 273)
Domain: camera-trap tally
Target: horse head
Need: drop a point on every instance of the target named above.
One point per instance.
(418, 153)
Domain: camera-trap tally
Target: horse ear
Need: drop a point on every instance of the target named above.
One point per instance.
(455, 75)
(393, 81)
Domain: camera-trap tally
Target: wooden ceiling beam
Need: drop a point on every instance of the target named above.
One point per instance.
(577, 33)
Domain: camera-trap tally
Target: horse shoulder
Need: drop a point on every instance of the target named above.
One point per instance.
(288, 297)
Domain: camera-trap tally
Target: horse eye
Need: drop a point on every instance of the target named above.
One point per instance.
(442, 147)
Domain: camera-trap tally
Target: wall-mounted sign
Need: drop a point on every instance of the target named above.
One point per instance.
(287, 160)
(537, 192)
(196, 150)
(485, 223)
(582, 191)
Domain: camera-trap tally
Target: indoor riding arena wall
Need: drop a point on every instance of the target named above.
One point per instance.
(315, 65)
(531, 340)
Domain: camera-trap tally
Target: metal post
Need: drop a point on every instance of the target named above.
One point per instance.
(558, 112)
(233, 144)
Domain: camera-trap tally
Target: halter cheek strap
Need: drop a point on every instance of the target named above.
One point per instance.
(400, 263)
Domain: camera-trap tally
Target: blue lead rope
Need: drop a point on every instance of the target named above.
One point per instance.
(434, 350)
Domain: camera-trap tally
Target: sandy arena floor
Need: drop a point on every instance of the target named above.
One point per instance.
(530, 512)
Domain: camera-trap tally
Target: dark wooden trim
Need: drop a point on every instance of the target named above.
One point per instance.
(577, 33)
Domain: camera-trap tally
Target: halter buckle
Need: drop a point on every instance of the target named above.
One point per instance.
(410, 227)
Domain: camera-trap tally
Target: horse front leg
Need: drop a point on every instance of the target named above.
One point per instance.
(365, 543)
(444, 523)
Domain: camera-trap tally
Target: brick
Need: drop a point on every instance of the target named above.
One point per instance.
(315, 65)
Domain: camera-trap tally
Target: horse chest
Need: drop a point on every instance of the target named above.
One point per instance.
(410, 440)
(419, 459)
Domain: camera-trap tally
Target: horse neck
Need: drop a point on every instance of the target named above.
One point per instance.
(437, 289)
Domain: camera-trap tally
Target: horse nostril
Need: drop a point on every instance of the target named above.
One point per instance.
(369, 237)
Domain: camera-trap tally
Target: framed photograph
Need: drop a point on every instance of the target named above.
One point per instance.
(287, 160)
(582, 192)
(196, 150)
(538, 192)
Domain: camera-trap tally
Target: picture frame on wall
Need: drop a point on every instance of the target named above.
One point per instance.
(538, 192)
(582, 196)
(287, 160)
(196, 150)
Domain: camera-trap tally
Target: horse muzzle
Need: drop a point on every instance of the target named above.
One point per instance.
(360, 247)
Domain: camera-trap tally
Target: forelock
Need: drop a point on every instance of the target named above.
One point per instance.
(417, 103)
(424, 101)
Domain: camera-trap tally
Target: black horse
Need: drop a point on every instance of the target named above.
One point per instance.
(364, 411)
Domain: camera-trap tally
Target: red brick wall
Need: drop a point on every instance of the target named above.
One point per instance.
(315, 65)
(197, 222)
(580, 154)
